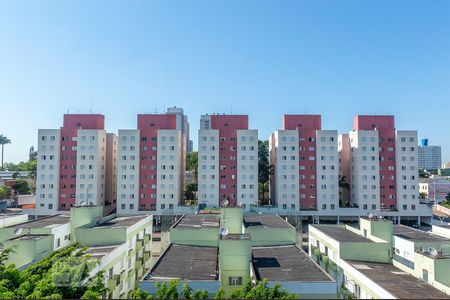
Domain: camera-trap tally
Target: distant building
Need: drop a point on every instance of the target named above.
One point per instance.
(429, 156)
(435, 188)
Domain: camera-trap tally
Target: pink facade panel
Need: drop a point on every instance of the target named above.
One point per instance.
(149, 124)
(68, 161)
(385, 125)
(228, 125)
(306, 125)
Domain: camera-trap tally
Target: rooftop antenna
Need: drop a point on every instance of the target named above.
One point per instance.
(433, 252)
(90, 107)
(225, 202)
(223, 231)
(155, 111)
(370, 216)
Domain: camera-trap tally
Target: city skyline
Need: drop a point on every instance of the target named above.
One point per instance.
(335, 59)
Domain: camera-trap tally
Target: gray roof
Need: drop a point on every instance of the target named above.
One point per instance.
(286, 263)
(265, 221)
(44, 222)
(99, 252)
(123, 221)
(416, 235)
(199, 221)
(29, 237)
(341, 234)
(186, 263)
(400, 284)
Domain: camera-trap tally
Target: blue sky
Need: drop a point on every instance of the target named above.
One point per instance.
(262, 58)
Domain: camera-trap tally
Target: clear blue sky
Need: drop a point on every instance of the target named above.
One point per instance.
(262, 58)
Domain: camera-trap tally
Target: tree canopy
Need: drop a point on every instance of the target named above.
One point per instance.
(64, 274)
(260, 290)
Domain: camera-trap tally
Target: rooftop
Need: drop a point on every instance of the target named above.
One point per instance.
(122, 221)
(199, 221)
(341, 234)
(186, 263)
(236, 236)
(447, 226)
(46, 222)
(416, 235)
(100, 251)
(400, 284)
(265, 221)
(33, 237)
(286, 263)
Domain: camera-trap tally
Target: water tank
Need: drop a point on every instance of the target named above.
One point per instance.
(424, 142)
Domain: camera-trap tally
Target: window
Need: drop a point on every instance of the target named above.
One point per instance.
(235, 280)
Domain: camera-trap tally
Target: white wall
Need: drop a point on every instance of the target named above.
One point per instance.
(327, 166)
(247, 167)
(208, 167)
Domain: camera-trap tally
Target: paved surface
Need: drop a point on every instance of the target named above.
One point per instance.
(341, 234)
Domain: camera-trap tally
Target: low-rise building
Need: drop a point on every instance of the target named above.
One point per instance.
(434, 188)
(212, 251)
(381, 260)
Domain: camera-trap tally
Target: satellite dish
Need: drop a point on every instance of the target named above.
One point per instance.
(380, 217)
(18, 231)
(370, 215)
(82, 203)
(225, 202)
(240, 203)
(433, 252)
(223, 231)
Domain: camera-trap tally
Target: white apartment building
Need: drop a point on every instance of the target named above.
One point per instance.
(407, 170)
(208, 167)
(283, 149)
(285, 154)
(327, 165)
(151, 166)
(91, 167)
(47, 179)
(227, 161)
(128, 172)
(364, 176)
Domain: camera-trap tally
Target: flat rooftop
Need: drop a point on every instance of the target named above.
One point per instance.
(416, 235)
(46, 222)
(33, 237)
(447, 226)
(286, 263)
(100, 251)
(341, 234)
(265, 221)
(186, 263)
(400, 284)
(122, 221)
(199, 221)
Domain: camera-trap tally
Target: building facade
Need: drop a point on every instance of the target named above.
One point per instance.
(380, 165)
(151, 165)
(429, 156)
(72, 164)
(306, 164)
(227, 161)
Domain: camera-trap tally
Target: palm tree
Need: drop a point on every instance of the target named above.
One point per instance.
(3, 141)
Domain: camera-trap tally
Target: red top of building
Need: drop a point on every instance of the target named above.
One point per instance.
(292, 122)
(157, 121)
(84, 121)
(365, 122)
(234, 122)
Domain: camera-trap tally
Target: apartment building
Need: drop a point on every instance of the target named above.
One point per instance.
(72, 164)
(429, 156)
(227, 161)
(151, 165)
(381, 260)
(380, 165)
(306, 164)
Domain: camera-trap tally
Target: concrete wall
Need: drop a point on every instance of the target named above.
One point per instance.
(309, 290)
(272, 236)
(231, 218)
(211, 286)
(28, 251)
(195, 237)
(100, 236)
(234, 260)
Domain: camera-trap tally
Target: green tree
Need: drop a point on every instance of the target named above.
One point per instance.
(190, 191)
(422, 195)
(192, 164)
(22, 187)
(140, 294)
(265, 169)
(186, 292)
(423, 174)
(260, 290)
(4, 141)
(220, 294)
(5, 192)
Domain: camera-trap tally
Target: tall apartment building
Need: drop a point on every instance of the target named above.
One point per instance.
(72, 165)
(306, 164)
(380, 164)
(151, 166)
(227, 161)
(429, 156)
(182, 124)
